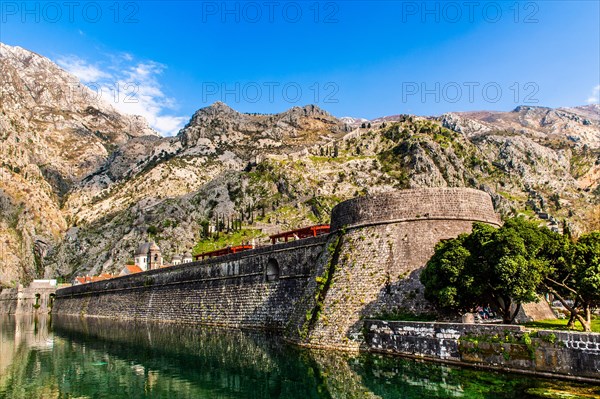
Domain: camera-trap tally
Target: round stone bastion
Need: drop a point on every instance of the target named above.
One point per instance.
(458, 204)
(379, 246)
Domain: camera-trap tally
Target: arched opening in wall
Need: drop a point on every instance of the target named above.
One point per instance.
(272, 270)
(36, 305)
(52, 296)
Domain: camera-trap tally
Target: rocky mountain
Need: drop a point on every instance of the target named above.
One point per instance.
(53, 131)
(82, 188)
(218, 129)
(579, 124)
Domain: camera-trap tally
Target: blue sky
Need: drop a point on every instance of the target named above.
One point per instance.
(165, 60)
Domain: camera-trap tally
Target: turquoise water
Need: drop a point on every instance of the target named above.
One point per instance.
(71, 358)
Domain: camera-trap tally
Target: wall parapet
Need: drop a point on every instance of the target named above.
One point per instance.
(219, 268)
(254, 288)
(460, 204)
(570, 355)
(33, 299)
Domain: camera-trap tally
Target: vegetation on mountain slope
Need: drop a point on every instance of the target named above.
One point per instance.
(78, 195)
(282, 192)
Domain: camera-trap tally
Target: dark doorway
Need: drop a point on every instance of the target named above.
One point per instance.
(272, 270)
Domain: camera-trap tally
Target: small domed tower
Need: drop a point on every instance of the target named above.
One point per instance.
(141, 256)
(187, 257)
(154, 257)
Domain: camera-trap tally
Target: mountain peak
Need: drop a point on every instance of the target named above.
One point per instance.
(227, 129)
(525, 108)
(218, 107)
(16, 52)
(309, 110)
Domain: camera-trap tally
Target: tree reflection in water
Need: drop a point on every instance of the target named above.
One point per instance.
(96, 358)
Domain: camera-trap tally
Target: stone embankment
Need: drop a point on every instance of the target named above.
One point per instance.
(560, 354)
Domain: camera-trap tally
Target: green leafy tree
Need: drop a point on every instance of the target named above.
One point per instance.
(575, 281)
(504, 267)
(444, 274)
(518, 259)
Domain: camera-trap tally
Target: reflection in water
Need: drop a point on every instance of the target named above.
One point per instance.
(107, 359)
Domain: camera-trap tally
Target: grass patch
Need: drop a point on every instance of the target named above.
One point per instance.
(561, 324)
(510, 196)
(581, 164)
(226, 239)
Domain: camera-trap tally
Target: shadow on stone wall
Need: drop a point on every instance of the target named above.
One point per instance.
(401, 298)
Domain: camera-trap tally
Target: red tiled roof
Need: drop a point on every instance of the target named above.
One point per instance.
(102, 277)
(88, 279)
(131, 269)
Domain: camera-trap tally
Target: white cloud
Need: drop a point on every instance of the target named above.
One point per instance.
(132, 87)
(595, 98)
(169, 123)
(84, 71)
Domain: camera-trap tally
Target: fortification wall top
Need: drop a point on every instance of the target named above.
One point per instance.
(234, 265)
(415, 204)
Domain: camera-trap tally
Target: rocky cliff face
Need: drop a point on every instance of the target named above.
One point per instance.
(578, 125)
(53, 132)
(82, 185)
(218, 129)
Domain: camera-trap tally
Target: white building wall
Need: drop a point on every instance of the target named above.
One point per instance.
(141, 261)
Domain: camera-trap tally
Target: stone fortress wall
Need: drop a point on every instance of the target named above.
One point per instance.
(415, 205)
(318, 290)
(253, 289)
(377, 249)
(37, 298)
